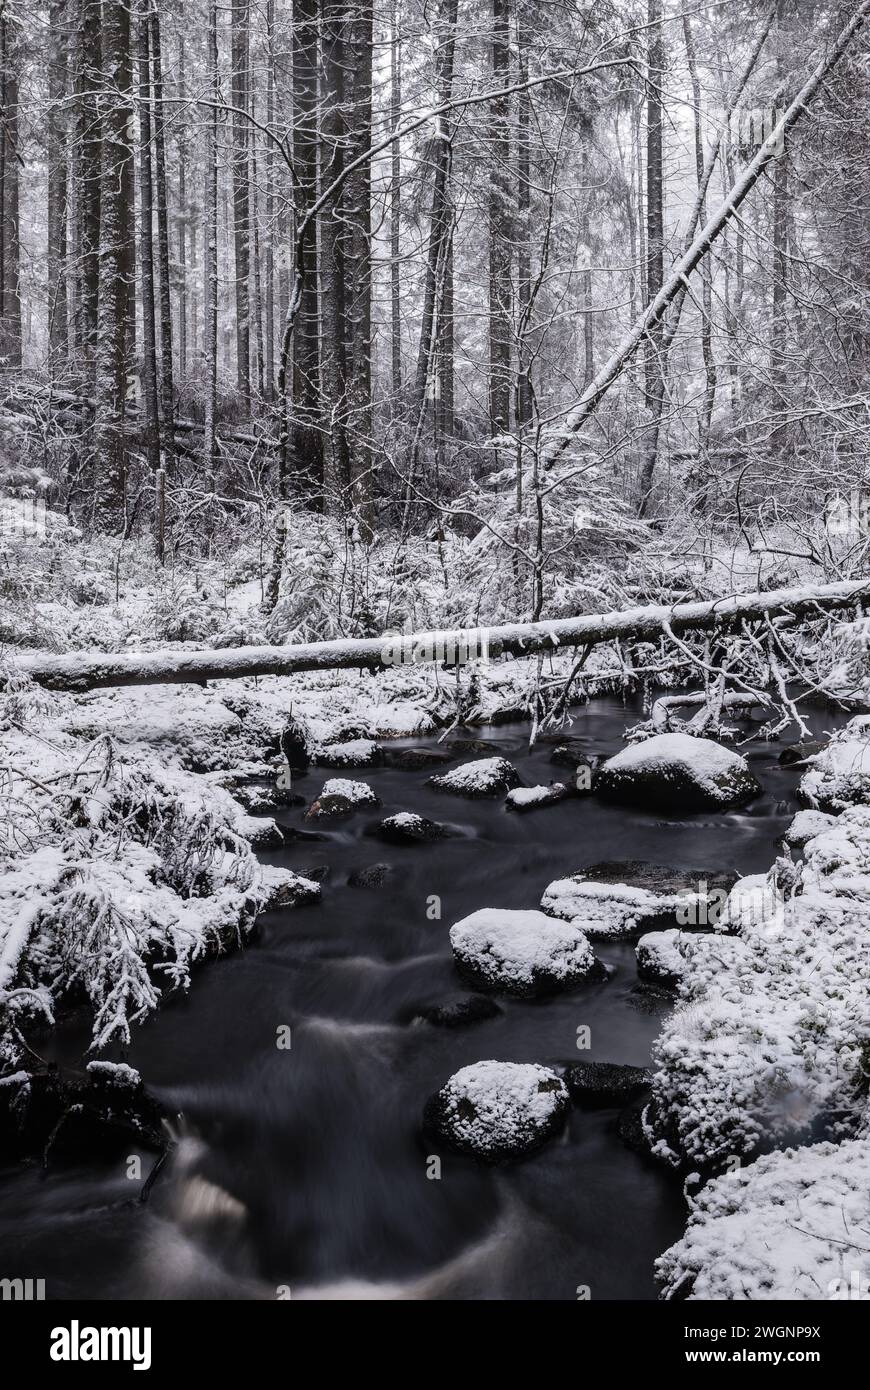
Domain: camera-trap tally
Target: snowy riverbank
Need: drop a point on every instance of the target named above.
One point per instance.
(769, 1048)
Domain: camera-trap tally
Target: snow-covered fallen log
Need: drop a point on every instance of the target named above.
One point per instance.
(643, 624)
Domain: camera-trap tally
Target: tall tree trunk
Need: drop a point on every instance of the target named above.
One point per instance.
(333, 242)
(167, 367)
(395, 207)
(499, 226)
(58, 139)
(115, 323)
(706, 273)
(10, 248)
(269, 257)
(210, 229)
(586, 234)
(523, 240)
(655, 248)
(240, 16)
(182, 220)
(440, 225)
(307, 404)
(88, 148)
(150, 410)
(357, 200)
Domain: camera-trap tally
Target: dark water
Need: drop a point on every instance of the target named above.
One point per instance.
(304, 1169)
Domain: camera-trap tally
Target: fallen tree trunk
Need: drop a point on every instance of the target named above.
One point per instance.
(646, 624)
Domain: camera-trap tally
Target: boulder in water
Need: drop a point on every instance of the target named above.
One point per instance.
(498, 1110)
(606, 1083)
(483, 777)
(458, 1013)
(531, 798)
(618, 899)
(521, 952)
(407, 828)
(679, 774)
(371, 876)
(355, 752)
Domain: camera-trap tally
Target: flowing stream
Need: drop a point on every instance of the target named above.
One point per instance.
(302, 1171)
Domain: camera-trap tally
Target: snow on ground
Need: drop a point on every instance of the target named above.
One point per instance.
(499, 1109)
(520, 951)
(791, 1225)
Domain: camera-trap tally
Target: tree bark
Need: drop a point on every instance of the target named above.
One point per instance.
(150, 407)
(210, 298)
(307, 440)
(167, 366)
(115, 322)
(240, 20)
(58, 22)
(88, 146)
(499, 227)
(10, 245)
(655, 248)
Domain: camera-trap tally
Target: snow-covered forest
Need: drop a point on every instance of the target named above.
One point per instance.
(434, 526)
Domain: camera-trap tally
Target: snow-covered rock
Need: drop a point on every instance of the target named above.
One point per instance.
(407, 828)
(840, 774)
(520, 952)
(606, 1083)
(805, 826)
(529, 798)
(499, 1110)
(791, 1225)
(668, 957)
(483, 777)
(358, 793)
(755, 901)
(613, 900)
(660, 957)
(677, 773)
(338, 797)
(354, 752)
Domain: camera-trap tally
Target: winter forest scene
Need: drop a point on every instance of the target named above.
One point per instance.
(434, 622)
